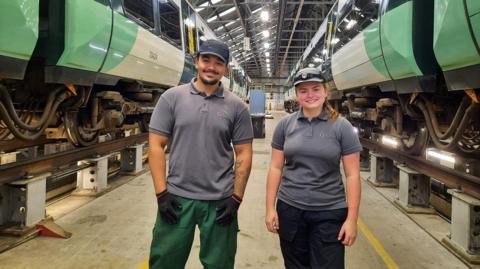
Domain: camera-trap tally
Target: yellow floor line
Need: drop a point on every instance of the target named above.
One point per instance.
(143, 265)
(368, 234)
(376, 244)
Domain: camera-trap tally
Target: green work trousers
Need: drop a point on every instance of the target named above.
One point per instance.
(171, 244)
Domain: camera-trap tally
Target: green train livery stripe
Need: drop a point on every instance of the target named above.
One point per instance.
(19, 26)
(86, 40)
(373, 47)
(396, 35)
(453, 44)
(124, 35)
(473, 7)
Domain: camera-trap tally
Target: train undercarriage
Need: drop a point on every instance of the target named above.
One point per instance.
(31, 110)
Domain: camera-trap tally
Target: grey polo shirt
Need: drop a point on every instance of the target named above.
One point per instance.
(202, 130)
(311, 177)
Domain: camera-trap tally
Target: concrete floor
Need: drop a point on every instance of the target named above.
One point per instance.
(114, 230)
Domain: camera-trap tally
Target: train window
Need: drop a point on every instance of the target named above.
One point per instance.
(170, 22)
(343, 30)
(366, 12)
(141, 10)
(391, 4)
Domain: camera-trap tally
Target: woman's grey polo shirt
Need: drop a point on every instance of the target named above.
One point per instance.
(311, 177)
(202, 130)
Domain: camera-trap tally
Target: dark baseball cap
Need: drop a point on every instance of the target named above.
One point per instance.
(215, 47)
(308, 74)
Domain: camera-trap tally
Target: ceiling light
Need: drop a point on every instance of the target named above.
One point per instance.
(266, 45)
(230, 23)
(268, 65)
(212, 19)
(317, 60)
(267, 60)
(266, 33)
(256, 10)
(335, 40)
(230, 10)
(215, 1)
(267, 54)
(351, 24)
(264, 15)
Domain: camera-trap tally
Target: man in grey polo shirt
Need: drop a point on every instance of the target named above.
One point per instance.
(202, 121)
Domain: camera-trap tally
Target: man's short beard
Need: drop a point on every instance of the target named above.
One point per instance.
(209, 82)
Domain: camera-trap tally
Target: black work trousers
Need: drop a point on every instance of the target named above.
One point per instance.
(309, 239)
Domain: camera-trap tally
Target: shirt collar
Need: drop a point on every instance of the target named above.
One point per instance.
(218, 93)
(324, 115)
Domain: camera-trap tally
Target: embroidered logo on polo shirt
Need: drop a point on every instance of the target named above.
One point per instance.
(222, 114)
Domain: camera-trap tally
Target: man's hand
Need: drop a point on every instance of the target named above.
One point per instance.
(227, 210)
(167, 205)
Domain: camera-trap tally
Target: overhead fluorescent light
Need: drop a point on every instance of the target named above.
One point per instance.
(230, 23)
(212, 18)
(350, 24)
(256, 10)
(266, 45)
(267, 60)
(267, 54)
(230, 10)
(266, 33)
(264, 15)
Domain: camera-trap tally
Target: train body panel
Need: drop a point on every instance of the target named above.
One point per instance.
(397, 42)
(149, 55)
(453, 43)
(473, 7)
(19, 26)
(124, 34)
(86, 40)
(360, 62)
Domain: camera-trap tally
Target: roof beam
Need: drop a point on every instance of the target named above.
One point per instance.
(282, 5)
(299, 10)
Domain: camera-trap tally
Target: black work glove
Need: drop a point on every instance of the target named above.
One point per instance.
(227, 210)
(167, 205)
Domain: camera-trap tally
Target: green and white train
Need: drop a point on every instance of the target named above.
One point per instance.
(80, 68)
(408, 70)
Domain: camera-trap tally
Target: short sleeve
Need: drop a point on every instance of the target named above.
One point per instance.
(162, 119)
(242, 128)
(349, 140)
(278, 138)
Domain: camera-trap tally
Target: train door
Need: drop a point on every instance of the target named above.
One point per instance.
(190, 44)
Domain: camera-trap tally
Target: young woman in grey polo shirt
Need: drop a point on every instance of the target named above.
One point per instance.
(314, 219)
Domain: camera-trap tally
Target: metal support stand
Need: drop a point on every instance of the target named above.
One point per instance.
(465, 227)
(365, 160)
(381, 171)
(131, 160)
(22, 204)
(414, 192)
(92, 181)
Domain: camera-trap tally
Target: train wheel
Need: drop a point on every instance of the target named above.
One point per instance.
(417, 141)
(76, 134)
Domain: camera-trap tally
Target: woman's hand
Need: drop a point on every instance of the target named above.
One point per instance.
(271, 220)
(348, 232)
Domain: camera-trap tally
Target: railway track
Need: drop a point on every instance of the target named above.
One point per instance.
(24, 169)
(468, 183)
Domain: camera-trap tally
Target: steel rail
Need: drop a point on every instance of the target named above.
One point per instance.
(21, 170)
(454, 179)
